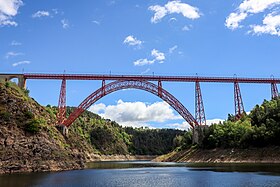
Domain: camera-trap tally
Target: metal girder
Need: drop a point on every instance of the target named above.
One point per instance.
(136, 84)
(274, 91)
(199, 108)
(150, 78)
(239, 108)
(61, 114)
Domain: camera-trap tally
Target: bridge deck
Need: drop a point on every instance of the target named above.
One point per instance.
(151, 78)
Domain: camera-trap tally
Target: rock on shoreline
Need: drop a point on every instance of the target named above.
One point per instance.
(219, 155)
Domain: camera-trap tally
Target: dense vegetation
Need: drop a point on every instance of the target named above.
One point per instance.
(258, 129)
(108, 137)
(145, 141)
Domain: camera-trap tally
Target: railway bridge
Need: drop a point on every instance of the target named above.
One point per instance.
(150, 83)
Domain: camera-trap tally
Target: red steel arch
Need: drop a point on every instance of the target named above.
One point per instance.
(136, 84)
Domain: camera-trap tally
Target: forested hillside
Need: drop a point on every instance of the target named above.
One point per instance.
(260, 128)
(253, 138)
(108, 137)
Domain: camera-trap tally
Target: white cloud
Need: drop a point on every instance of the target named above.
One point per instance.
(172, 7)
(135, 113)
(211, 121)
(65, 23)
(96, 22)
(247, 8)
(132, 41)
(187, 28)
(13, 54)
(142, 62)
(15, 43)
(98, 108)
(9, 9)
(21, 62)
(40, 13)
(172, 49)
(271, 25)
(159, 56)
(233, 20)
(172, 20)
(181, 126)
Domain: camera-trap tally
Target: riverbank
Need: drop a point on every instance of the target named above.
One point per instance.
(219, 155)
(120, 157)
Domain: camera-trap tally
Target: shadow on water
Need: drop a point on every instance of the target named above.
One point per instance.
(21, 179)
(265, 169)
(131, 164)
(151, 174)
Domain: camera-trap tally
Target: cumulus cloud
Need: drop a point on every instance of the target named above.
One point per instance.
(155, 54)
(271, 25)
(40, 13)
(143, 61)
(136, 112)
(132, 41)
(212, 121)
(185, 126)
(65, 23)
(21, 62)
(233, 20)
(159, 56)
(13, 54)
(140, 114)
(251, 7)
(181, 126)
(8, 10)
(172, 7)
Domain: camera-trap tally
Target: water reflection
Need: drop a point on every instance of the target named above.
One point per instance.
(131, 164)
(152, 174)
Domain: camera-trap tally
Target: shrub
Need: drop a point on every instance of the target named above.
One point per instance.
(5, 115)
(26, 92)
(28, 114)
(7, 84)
(32, 126)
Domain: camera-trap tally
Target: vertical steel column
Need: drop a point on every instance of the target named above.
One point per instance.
(199, 108)
(61, 115)
(239, 108)
(274, 91)
(103, 87)
(159, 88)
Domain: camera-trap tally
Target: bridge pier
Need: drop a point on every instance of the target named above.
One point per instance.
(63, 129)
(199, 134)
(20, 77)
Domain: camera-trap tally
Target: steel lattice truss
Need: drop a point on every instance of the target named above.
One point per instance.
(199, 108)
(61, 115)
(274, 91)
(239, 108)
(136, 84)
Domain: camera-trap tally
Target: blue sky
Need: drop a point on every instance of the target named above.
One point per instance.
(188, 37)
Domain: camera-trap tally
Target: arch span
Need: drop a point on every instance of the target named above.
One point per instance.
(136, 84)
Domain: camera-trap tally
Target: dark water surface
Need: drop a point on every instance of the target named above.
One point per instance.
(146, 173)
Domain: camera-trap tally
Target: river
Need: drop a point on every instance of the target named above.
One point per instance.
(147, 173)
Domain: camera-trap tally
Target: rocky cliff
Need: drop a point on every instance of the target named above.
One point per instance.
(29, 141)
